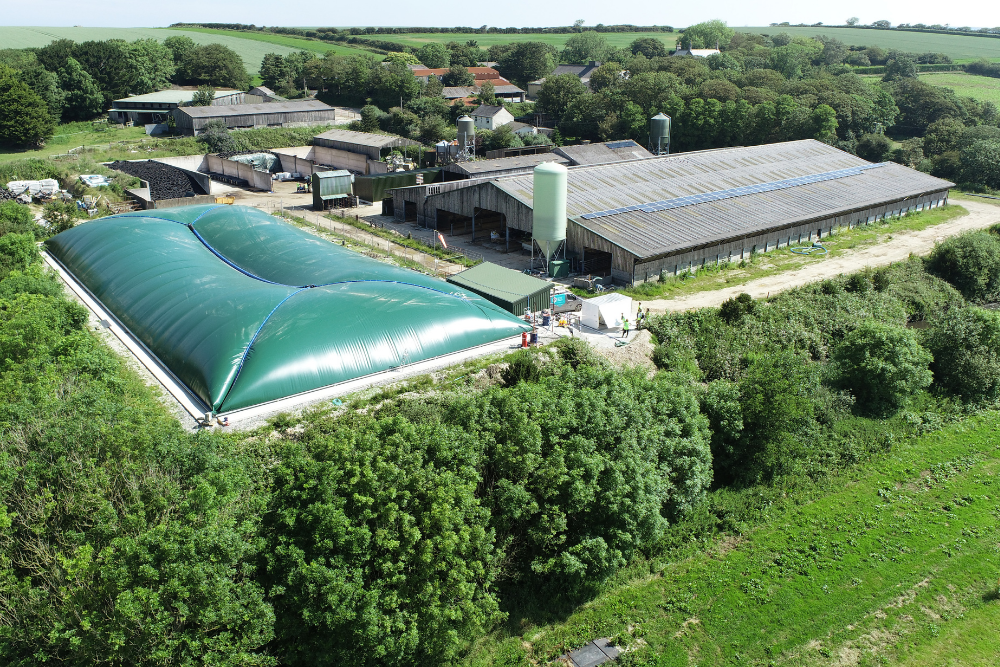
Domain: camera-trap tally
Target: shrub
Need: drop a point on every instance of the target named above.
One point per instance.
(17, 253)
(17, 219)
(583, 470)
(971, 263)
(732, 310)
(881, 280)
(521, 368)
(375, 541)
(882, 366)
(858, 283)
(966, 347)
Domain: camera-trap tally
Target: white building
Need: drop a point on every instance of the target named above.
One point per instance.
(490, 117)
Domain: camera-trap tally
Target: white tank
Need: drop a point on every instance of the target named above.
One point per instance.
(549, 224)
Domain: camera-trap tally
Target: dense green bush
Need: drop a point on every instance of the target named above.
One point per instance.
(971, 263)
(882, 366)
(377, 545)
(583, 469)
(966, 347)
(17, 253)
(17, 219)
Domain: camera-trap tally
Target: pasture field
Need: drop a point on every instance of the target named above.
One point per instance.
(250, 50)
(894, 562)
(289, 42)
(982, 88)
(960, 48)
(418, 39)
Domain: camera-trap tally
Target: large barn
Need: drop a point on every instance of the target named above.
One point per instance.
(293, 113)
(636, 219)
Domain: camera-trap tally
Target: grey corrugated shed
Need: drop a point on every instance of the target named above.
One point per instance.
(454, 92)
(602, 153)
(644, 235)
(485, 167)
(511, 290)
(292, 106)
(361, 139)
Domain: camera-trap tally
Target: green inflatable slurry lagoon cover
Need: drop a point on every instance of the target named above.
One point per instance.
(244, 308)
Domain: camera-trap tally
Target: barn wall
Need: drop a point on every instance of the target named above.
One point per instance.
(738, 249)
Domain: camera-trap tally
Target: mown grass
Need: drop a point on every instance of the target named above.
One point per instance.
(761, 265)
(958, 47)
(415, 244)
(296, 43)
(892, 562)
(982, 88)
(72, 135)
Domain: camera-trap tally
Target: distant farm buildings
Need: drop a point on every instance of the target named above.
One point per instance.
(293, 113)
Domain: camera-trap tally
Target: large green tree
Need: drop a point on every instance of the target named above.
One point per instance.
(527, 61)
(584, 47)
(25, 121)
(214, 65)
(434, 55)
(558, 92)
(83, 97)
(706, 35)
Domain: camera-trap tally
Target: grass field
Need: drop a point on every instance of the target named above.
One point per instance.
(893, 563)
(416, 40)
(983, 88)
(959, 47)
(293, 43)
(251, 50)
(103, 145)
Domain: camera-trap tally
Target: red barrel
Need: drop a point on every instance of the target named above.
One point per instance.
(524, 339)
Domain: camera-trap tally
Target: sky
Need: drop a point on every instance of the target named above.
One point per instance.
(516, 13)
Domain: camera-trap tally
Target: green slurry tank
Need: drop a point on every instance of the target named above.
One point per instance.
(548, 228)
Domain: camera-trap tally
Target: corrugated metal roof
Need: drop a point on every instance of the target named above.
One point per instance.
(172, 96)
(450, 92)
(292, 106)
(486, 111)
(365, 138)
(603, 153)
(480, 167)
(648, 234)
(500, 282)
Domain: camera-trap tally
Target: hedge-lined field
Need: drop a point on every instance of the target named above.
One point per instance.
(959, 47)
(983, 88)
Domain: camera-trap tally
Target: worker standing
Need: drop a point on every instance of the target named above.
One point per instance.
(624, 327)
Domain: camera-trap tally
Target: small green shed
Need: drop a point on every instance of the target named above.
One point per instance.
(511, 290)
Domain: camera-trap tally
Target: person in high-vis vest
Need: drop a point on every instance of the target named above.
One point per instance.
(624, 326)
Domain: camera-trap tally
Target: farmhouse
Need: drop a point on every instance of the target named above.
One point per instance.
(489, 117)
(156, 107)
(638, 219)
(296, 113)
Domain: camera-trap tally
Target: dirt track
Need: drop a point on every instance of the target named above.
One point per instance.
(980, 216)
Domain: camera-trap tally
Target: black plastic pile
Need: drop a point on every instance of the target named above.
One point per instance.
(165, 182)
(6, 194)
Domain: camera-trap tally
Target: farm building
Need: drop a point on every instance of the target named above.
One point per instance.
(489, 117)
(582, 72)
(295, 113)
(243, 309)
(156, 107)
(637, 219)
(511, 290)
(375, 146)
(609, 151)
(503, 166)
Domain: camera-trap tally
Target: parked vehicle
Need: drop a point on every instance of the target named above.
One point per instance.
(566, 302)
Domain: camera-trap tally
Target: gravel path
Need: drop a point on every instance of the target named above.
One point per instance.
(981, 215)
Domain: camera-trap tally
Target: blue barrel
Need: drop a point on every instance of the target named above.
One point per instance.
(534, 338)
(545, 320)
